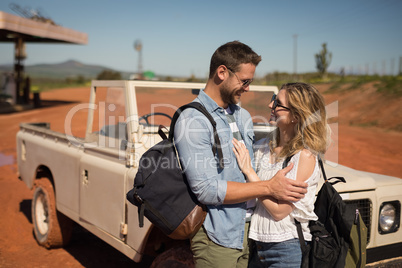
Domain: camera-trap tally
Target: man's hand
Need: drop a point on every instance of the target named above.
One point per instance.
(282, 188)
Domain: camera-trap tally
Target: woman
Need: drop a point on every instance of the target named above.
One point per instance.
(298, 112)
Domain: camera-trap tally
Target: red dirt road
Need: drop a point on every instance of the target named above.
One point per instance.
(365, 148)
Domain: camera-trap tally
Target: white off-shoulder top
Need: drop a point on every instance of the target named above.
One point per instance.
(264, 227)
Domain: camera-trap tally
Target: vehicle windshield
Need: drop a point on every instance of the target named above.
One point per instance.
(160, 104)
(109, 113)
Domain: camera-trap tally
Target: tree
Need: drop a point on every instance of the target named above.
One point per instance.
(109, 75)
(323, 59)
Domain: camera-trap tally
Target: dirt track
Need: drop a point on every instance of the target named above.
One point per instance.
(364, 148)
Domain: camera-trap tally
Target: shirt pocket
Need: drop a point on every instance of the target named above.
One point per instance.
(226, 136)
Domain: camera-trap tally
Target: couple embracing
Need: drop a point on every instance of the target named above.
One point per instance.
(252, 202)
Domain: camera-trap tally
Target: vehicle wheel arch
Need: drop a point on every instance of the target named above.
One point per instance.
(43, 171)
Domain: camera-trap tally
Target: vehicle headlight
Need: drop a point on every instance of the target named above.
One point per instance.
(389, 217)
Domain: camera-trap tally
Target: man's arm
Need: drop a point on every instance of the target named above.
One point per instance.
(279, 187)
(193, 135)
(193, 142)
(281, 209)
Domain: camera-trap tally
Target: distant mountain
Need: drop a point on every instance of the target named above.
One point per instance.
(70, 68)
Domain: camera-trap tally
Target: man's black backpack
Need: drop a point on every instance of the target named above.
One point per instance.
(339, 236)
(161, 191)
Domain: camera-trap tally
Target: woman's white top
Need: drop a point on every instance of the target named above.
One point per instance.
(264, 227)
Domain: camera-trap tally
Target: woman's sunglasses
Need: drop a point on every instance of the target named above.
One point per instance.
(276, 104)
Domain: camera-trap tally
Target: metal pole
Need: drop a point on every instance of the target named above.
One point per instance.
(19, 67)
(295, 54)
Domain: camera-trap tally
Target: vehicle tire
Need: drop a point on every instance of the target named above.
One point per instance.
(51, 228)
(177, 257)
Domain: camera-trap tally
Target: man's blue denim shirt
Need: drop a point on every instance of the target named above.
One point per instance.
(193, 136)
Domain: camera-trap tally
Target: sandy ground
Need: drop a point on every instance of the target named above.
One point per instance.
(368, 148)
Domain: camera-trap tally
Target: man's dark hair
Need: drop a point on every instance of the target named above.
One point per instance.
(232, 54)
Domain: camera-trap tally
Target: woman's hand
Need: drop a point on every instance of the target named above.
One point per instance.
(243, 157)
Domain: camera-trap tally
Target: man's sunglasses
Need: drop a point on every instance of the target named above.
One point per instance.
(245, 82)
(276, 104)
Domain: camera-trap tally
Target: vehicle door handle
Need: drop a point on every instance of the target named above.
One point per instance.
(85, 179)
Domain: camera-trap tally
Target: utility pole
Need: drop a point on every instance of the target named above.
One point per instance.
(19, 69)
(295, 55)
(400, 65)
(138, 47)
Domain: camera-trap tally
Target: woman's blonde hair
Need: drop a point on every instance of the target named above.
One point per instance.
(311, 130)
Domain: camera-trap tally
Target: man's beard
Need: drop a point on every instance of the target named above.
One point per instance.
(228, 95)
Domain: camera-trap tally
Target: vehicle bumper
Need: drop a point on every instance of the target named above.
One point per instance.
(384, 253)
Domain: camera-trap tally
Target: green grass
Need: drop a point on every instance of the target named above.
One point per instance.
(391, 85)
(367, 124)
(46, 84)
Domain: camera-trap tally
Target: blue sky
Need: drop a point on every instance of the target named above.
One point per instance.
(179, 36)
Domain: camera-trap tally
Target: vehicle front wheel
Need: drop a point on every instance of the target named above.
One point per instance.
(51, 228)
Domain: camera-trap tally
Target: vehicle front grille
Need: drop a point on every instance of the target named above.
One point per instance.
(365, 209)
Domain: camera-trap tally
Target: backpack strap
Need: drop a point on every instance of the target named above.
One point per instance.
(298, 225)
(161, 133)
(322, 168)
(337, 179)
(286, 162)
(301, 237)
(198, 106)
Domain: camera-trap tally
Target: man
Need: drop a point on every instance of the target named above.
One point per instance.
(222, 240)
